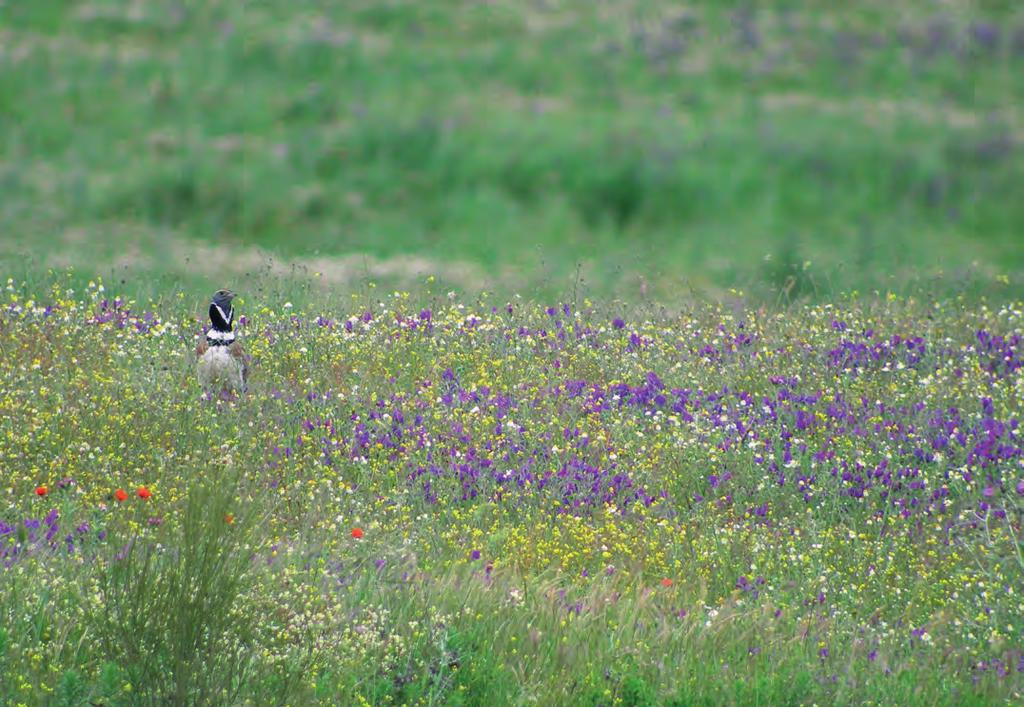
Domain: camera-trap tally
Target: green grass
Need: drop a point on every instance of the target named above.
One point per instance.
(657, 148)
(821, 170)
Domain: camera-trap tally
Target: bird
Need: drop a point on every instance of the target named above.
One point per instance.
(220, 359)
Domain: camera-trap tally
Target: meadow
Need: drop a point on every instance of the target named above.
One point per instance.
(443, 501)
(659, 147)
(605, 352)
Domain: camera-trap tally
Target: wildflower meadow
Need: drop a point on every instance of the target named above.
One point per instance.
(433, 499)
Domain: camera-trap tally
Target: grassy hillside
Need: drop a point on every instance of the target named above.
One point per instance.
(502, 144)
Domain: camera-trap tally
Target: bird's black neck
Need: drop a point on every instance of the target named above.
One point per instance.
(220, 317)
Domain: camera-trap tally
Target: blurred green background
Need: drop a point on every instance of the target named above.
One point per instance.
(649, 148)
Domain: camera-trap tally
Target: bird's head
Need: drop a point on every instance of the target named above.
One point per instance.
(222, 298)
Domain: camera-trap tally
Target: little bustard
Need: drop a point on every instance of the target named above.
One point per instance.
(220, 360)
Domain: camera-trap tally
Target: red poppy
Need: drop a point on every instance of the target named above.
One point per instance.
(144, 492)
(41, 491)
(666, 582)
(357, 533)
(120, 494)
(229, 518)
